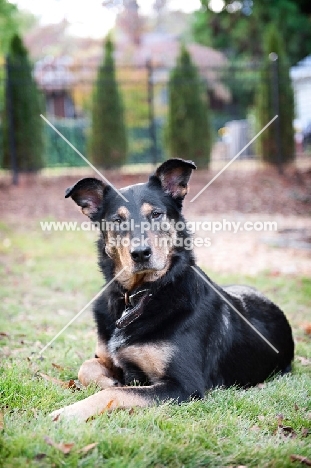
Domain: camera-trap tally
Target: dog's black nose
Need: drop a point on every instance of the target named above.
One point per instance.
(141, 254)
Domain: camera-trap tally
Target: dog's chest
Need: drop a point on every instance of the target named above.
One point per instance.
(152, 359)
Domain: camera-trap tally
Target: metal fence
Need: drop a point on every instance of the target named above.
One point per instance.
(67, 93)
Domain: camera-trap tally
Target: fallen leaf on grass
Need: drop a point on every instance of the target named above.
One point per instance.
(304, 361)
(1, 421)
(40, 456)
(57, 366)
(303, 339)
(288, 432)
(305, 432)
(87, 448)
(7, 352)
(299, 458)
(284, 431)
(109, 404)
(255, 428)
(56, 418)
(24, 342)
(70, 384)
(65, 448)
(4, 335)
(280, 419)
(51, 379)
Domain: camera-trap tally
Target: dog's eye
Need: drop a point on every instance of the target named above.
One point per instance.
(156, 214)
(117, 220)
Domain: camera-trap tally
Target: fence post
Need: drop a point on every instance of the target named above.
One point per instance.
(152, 127)
(275, 77)
(10, 120)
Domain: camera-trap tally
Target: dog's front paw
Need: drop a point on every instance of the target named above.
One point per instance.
(77, 411)
(82, 410)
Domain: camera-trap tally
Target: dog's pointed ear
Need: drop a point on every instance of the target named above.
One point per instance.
(88, 194)
(174, 176)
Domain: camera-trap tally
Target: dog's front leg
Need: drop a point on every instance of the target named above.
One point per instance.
(121, 397)
(101, 369)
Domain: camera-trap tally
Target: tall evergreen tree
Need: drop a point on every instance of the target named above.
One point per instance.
(9, 24)
(108, 139)
(237, 27)
(276, 143)
(188, 130)
(23, 107)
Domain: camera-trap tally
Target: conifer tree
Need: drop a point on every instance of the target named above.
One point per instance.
(188, 129)
(275, 94)
(23, 106)
(108, 138)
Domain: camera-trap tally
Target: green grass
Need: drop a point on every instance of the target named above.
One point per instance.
(46, 278)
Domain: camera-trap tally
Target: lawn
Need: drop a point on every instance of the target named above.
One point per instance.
(46, 278)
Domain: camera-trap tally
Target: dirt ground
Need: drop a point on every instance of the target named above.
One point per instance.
(237, 195)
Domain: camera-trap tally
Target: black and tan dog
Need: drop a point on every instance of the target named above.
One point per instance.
(160, 324)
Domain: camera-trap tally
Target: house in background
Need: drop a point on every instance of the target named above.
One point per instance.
(56, 81)
(67, 66)
(161, 51)
(301, 79)
(66, 81)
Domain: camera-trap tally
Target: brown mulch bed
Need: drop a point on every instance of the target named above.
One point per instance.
(259, 191)
(236, 194)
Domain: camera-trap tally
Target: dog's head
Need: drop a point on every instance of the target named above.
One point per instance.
(139, 235)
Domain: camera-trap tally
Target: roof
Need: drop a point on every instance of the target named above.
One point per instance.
(162, 50)
(159, 49)
(302, 70)
(54, 74)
